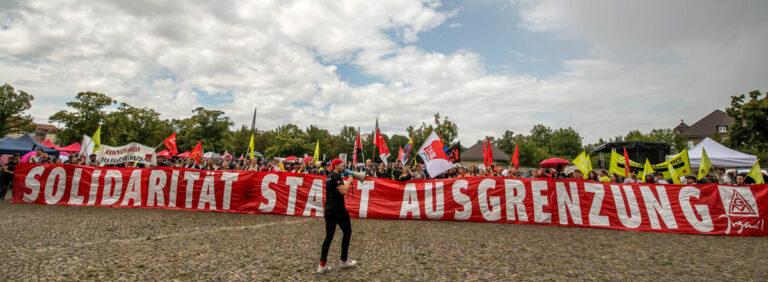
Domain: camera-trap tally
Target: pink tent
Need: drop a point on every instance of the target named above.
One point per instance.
(49, 144)
(72, 148)
(25, 157)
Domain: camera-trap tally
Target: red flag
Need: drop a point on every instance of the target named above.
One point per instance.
(487, 155)
(170, 144)
(401, 155)
(433, 155)
(358, 144)
(515, 158)
(381, 144)
(626, 162)
(197, 152)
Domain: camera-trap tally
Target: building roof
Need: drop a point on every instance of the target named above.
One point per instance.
(475, 153)
(680, 128)
(707, 126)
(45, 126)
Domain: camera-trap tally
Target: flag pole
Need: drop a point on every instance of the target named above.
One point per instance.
(375, 140)
(362, 150)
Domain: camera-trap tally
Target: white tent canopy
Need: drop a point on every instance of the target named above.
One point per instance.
(719, 155)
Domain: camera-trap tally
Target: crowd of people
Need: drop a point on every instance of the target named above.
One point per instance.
(393, 170)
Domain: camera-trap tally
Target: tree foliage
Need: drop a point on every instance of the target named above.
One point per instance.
(209, 126)
(13, 104)
(86, 113)
(542, 142)
(131, 124)
(749, 132)
(446, 129)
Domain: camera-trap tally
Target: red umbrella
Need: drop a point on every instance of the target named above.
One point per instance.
(183, 155)
(554, 162)
(72, 148)
(290, 158)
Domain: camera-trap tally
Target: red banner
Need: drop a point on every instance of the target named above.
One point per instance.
(692, 209)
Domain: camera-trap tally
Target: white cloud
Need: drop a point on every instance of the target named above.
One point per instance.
(650, 63)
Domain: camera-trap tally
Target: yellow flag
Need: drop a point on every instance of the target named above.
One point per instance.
(96, 139)
(584, 164)
(647, 170)
(705, 165)
(316, 157)
(680, 162)
(756, 174)
(614, 168)
(252, 148)
(673, 173)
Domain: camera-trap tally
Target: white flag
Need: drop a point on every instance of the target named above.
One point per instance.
(431, 152)
(87, 147)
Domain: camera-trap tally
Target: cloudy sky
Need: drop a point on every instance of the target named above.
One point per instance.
(601, 67)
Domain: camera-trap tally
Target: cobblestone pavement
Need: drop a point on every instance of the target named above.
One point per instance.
(74, 243)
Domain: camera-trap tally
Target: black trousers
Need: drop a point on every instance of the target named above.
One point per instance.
(5, 186)
(340, 218)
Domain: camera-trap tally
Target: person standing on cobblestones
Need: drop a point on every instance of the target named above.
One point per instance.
(336, 214)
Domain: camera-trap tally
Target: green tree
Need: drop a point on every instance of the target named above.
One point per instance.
(13, 104)
(446, 129)
(86, 114)
(239, 141)
(507, 142)
(541, 135)
(565, 143)
(749, 132)
(661, 135)
(314, 134)
(288, 140)
(398, 141)
(209, 126)
(343, 142)
(131, 124)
